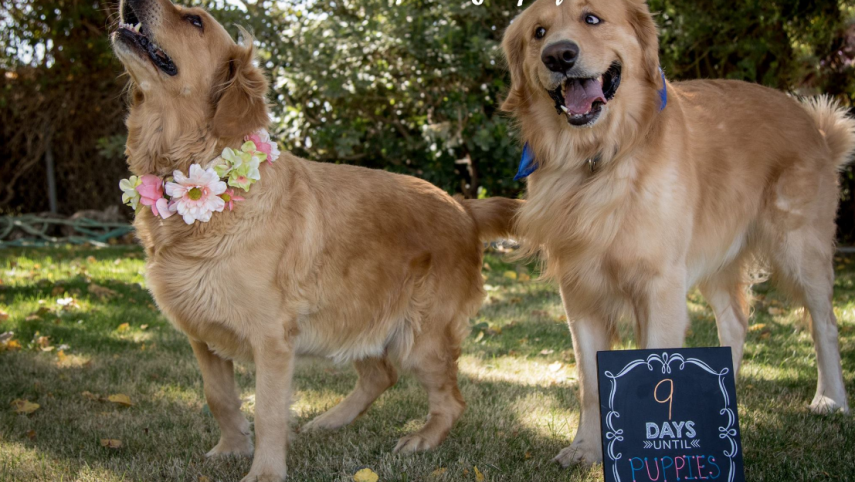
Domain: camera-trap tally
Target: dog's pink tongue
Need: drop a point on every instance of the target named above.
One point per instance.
(580, 95)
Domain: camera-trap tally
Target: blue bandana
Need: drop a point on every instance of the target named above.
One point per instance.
(527, 163)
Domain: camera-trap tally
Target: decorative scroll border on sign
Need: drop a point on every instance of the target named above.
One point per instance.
(614, 435)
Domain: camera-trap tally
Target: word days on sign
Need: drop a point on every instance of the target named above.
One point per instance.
(669, 415)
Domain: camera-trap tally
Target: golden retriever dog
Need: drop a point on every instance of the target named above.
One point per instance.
(644, 189)
(357, 265)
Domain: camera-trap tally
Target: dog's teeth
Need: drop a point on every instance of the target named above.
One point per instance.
(600, 79)
(564, 109)
(137, 28)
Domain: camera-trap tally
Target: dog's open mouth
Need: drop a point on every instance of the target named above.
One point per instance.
(582, 99)
(133, 33)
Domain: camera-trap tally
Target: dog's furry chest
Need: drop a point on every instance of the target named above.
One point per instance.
(216, 296)
(605, 239)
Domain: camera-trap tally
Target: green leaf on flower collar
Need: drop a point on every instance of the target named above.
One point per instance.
(243, 175)
(249, 147)
(222, 167)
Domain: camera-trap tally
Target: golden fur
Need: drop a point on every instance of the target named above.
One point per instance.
(728, 172)
(353, 264)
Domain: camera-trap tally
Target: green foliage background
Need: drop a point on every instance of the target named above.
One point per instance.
(412, 86)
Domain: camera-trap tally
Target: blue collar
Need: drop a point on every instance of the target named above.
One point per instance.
(528, 164)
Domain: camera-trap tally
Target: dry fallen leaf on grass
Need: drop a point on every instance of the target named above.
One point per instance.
(757, 327)
(204, 479)
(123, 327)
(479, 477)
(776, 311)
(101, 291)
(24, 407)
(438, 472)
(111, 443)
(31, 434)
(365, 475)
(90, 396)
(524, 277)
(61, 356)
(510, 274)
(3, 315)
(121, 399)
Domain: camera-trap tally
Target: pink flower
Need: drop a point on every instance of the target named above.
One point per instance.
(196, 196)
(230, 198)
(262, 142)
(151, 194)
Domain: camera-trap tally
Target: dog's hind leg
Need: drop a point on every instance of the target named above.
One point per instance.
(806, 268)
(375, 376)
(222, 397)
(434, 363)
(725, 292)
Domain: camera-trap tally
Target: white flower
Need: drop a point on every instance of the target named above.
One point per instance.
(197, 196)
(130, 196)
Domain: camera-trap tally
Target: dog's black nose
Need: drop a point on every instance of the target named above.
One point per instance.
(560, 56)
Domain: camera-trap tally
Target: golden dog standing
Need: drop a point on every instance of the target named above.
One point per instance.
(271, 256)
(641, 189)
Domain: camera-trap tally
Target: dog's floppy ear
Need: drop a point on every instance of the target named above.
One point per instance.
(240, 100)
(512, 44)
(648, 37)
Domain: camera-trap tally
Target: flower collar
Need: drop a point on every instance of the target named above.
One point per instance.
(205, 190)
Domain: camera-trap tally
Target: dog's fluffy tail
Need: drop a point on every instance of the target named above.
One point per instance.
(835, 126)
(494, 216)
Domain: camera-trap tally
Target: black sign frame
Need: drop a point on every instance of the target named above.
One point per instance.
(625, 379)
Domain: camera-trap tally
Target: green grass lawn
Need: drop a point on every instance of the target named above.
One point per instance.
(517, 375)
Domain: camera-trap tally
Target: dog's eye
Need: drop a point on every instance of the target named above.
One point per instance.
(195, 20)
(592, 19)
(539, 32)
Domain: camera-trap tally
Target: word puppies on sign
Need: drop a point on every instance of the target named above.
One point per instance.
(669, 415)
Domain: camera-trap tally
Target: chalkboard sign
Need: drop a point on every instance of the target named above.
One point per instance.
(669, 415)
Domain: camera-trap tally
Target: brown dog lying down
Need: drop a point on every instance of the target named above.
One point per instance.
(319, 259)
(644, 189)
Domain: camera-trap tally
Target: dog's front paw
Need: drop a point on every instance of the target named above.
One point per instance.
(579, 454)
(327, 421)
(231, 447)
(824, 405)
(263, 478)
(416, 442)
